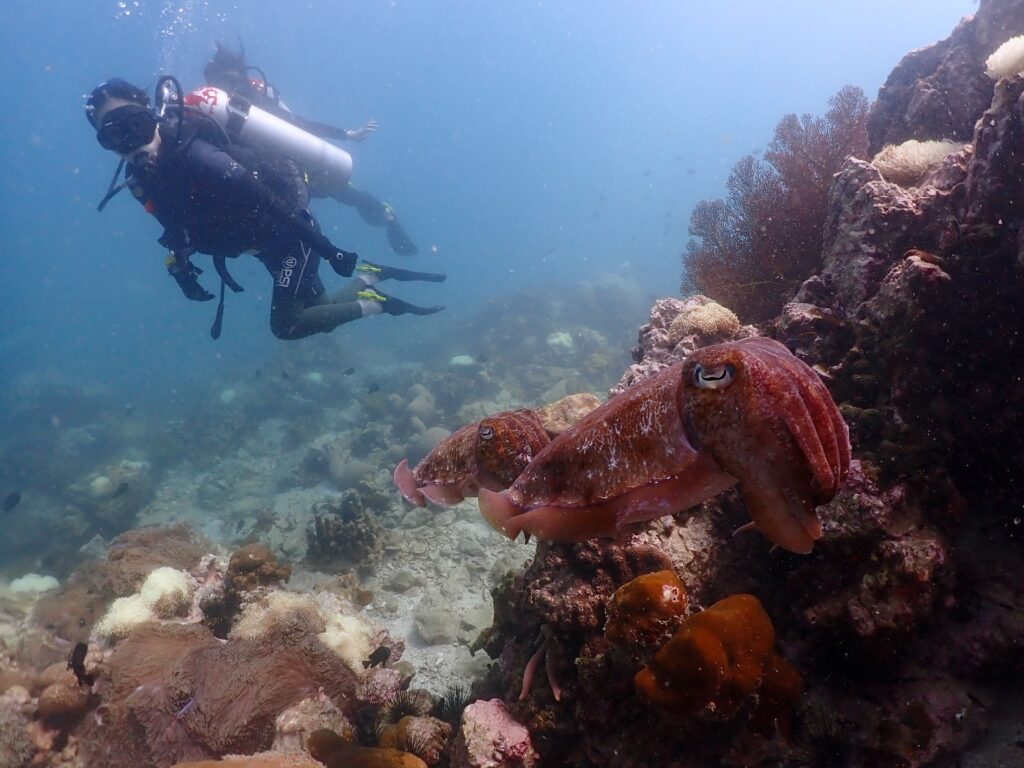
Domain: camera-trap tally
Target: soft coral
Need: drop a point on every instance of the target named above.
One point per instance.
(759, 244)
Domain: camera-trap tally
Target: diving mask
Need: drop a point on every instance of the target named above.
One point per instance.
(126, 129)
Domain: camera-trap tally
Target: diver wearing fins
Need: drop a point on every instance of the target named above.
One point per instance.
(220, 197)
(228, 71)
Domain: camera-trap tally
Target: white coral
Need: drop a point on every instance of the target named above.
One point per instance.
(167, 592)
(123, 616)
(907, 163)
(1007, 60)
(350, 637)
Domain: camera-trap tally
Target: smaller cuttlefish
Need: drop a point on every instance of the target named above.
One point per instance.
(490, 454)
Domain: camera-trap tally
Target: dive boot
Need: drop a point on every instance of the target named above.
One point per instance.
(384, 272)
(392, 306)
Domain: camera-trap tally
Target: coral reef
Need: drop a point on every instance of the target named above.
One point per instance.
(344, 535)
(756, 247)
(713, 663)
(900, 624)
(16, 747)
(645, 612)
(658, 346)
(908, 163)
(490, 736)
(940, 90)
(254, 566)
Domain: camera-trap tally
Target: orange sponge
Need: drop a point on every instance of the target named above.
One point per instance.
(645, 612)
(713, 663)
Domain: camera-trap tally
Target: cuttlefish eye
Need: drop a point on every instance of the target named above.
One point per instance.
(714, 377)
(486, 433)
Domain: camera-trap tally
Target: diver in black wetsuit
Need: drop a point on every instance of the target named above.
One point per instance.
(222, 198)
(228, 71)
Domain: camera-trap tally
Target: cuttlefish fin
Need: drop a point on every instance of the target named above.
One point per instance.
(406, 482)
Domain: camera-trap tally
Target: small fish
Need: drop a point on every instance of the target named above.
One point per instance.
(378, 658)
(76, 663)
(348, 371)
(374, 387)
(285, 376)
(11, 501)
(121, 490)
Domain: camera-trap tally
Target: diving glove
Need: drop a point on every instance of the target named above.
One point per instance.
(344, 262)
(186, 274)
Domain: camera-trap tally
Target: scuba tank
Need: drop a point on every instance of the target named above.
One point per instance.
(243, 120)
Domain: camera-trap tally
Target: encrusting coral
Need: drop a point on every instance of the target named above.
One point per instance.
(709, 320)
(645, 612)
(713, 663)
(254, 566)
(335, 752)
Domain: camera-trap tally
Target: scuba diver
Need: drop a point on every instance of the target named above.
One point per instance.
(228, 71)
(221, 197)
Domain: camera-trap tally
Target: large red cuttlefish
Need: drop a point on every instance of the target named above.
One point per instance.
(745, 412)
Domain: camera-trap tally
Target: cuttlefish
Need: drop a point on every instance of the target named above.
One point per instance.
(745, 412)
(487, 454)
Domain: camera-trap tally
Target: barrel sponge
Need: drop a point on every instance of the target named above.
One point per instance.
(167, 592)
(1007, 60)
(646, 611)
(122, 617)
(906, 164)
(713, 663)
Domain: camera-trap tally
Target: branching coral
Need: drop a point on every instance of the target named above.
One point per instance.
(758, 245)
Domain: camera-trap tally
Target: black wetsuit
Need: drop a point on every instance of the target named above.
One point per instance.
(224, 199)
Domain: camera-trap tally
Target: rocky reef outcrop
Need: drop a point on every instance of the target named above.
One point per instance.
(904, 622)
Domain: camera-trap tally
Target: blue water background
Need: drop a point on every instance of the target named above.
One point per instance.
(522, 143)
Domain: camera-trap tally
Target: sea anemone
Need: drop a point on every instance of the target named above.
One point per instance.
(1007, 60)
(907, 164)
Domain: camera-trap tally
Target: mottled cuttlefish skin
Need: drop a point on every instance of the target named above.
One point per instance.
(490, 453)
(745, 412)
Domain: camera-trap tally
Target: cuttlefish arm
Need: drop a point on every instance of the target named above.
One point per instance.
(489, 453)
(627, 461)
